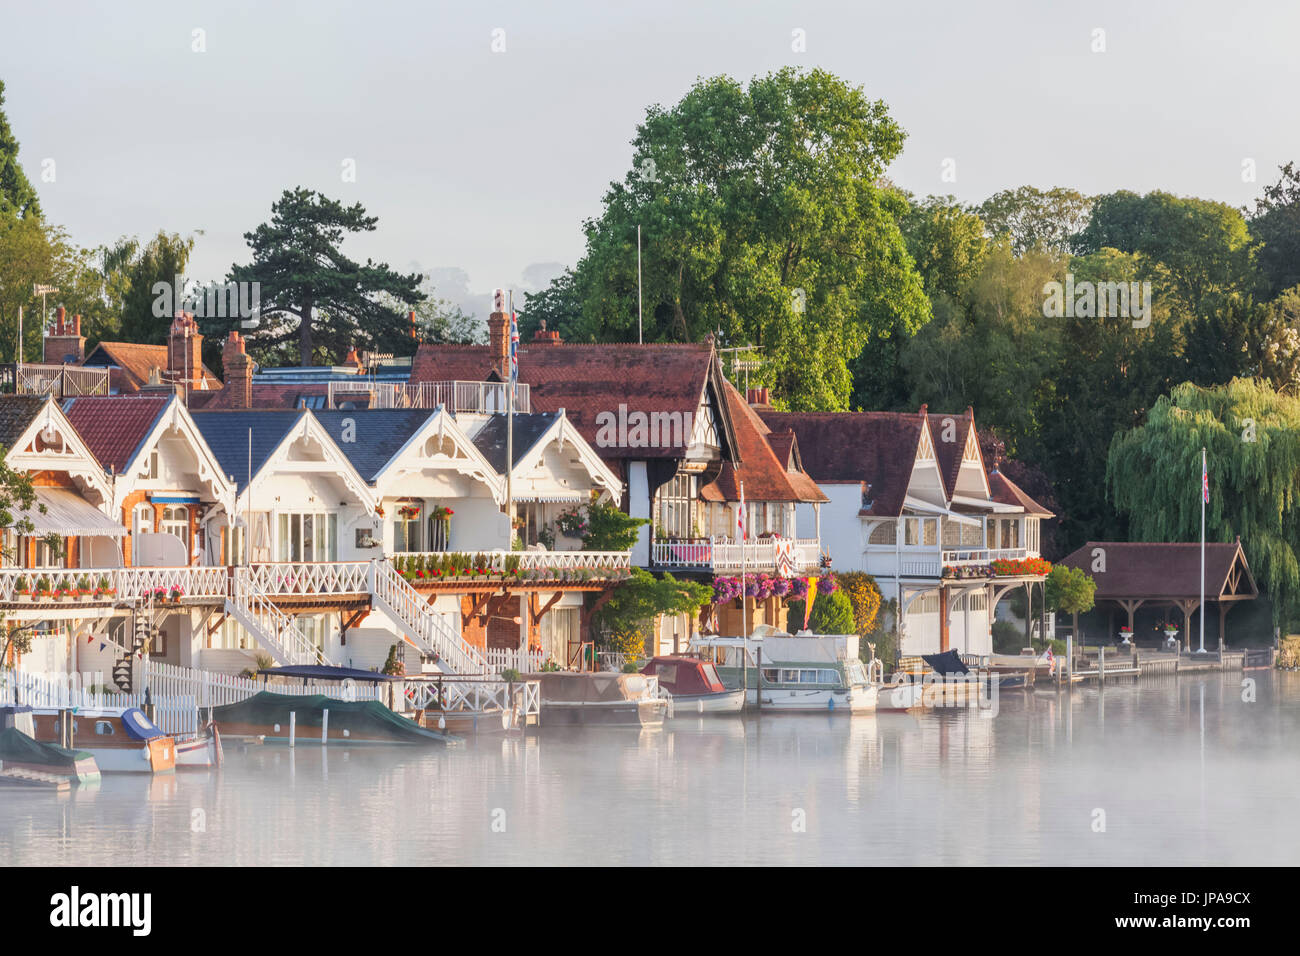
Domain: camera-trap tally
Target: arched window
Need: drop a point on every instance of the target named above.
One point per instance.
(142, 519)
(176, 520)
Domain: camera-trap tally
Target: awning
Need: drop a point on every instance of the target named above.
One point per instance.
(67, 515)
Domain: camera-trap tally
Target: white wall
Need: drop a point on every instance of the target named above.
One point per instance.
(841, 526)
(638, 498)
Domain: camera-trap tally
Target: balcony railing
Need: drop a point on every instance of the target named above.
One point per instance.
(727, 554)
(966, 556)
(483, 397)
(498, 562)
(59, 586)
(60, 381)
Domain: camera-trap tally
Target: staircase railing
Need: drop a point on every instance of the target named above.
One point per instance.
(275, 630)
(410, 609)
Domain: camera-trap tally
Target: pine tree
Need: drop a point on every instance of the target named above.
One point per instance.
(17, 197)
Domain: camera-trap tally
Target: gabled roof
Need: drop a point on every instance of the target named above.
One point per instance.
(136, 362)
(227, 435)
(949, 453)
(877, 449)
(529, 430)
(16, 413)
(1159, 570)
(586, 380)
(378, 433)
(115, 427)
(766, 476)
(1007, 492)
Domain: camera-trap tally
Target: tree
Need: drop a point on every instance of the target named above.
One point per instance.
(17, 498)
(634, 604)
(1276, 227)
(304, 276)
(559, 305)
(17, 197)
(1031, 218)
(946, 242)
(1070, 590)
(442, 321)
(831, 614)
(601, 526)
(1197, 250)
(1243, 338)
(864, 599)
(161, 260)
(1252, 439)
(762, 221)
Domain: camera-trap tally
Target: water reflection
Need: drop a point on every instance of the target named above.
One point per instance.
(1184, 771)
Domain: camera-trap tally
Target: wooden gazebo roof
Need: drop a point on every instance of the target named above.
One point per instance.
(1165, 571)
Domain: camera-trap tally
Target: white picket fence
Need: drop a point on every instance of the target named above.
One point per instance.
(502, 658)
(213, 689)
(174, 713)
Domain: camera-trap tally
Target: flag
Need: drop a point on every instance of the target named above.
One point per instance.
(808, 601)
(740, 514)
(514, 354)
(1051, 661)
(1205, 481)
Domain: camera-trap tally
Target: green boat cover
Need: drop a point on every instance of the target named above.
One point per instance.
(17, 747)
(367, 720)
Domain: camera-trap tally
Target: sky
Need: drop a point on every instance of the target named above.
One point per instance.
(483, 134)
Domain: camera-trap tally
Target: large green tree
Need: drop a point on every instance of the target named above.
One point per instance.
(1276, 227)
(1030, 218)
(311, 291)
(1252, 439)
(17, 197)
(145, 318)
(762, 219)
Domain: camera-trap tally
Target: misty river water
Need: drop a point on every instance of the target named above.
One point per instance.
(1173, 770)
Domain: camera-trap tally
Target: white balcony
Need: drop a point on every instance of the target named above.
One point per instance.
(482, 397)
(60, 381)
(727, 554)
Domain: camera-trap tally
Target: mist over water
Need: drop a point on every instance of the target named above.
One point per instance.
(1182, 769)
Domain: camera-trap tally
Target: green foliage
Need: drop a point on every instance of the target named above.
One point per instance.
(633, 605)
(1252, 437)
(1036, 219)
(1007, 638)
(395, 664)
(864, 599)
(311, 291)
(831, 614)
(17, 197)
(1069, 590)
(161, 260)
(761, 218)
(946, 242)
(609, 529)
(1276, 229)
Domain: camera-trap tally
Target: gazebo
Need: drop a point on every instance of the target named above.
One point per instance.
(1130, 574)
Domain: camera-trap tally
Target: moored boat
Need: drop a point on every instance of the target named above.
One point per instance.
(695, 686)
(121, 739)
(599, 698)
(23, 758)
(317, 719)
(200, 751)
(807, 673)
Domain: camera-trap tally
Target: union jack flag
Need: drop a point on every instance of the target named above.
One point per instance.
(1051, 661)
(740, 513)
(514, 354)
(1205, 482)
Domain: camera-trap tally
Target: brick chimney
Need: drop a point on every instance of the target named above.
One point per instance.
(499, 335)
(239, 371)
(185, 351)
(64, 343)
(544, 337)
(353, 361)
(759, 398)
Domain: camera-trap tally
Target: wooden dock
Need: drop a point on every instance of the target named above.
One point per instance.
(1109, 663)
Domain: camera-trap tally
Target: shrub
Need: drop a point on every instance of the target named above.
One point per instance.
(864, 598)
(831, 614)
(1007, 638)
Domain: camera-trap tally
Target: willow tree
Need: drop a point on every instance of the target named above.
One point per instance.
(1252, 439)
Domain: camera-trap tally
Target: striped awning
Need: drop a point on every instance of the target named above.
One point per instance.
(67, 515)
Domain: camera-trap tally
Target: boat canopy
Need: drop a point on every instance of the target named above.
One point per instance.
(684, 675)
(138, 726)
(949, 662)
(563, 687)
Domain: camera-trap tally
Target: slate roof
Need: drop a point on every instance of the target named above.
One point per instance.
(115, 427)
(877, 449)
(1160, 570)
(227, 435)
(586, 380)
(16, 413)
(134, 364)
(282, 395)
(766, 476)
(529, 429)
(380, 434)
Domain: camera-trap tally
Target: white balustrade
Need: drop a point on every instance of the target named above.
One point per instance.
(407, 606)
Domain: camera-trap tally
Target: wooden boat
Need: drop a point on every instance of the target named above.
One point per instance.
(121, 739)
(267, 716)
(600, 698)
(26, 760)
(803, 674)
(201, 751)
(695, 686)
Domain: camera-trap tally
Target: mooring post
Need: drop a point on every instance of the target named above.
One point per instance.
(1101, 663)
(293, 724)
(324, 727)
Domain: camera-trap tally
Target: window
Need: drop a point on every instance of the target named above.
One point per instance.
(311, 401)
(142, 519)
(911, 536)
(43, 554)
(307, 537)
(406, 526)
(151, 467)
(930, 530)
(559, 630)
(176, 520)
(675, 507)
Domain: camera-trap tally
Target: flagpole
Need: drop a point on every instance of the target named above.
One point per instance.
(1205, 494)
(510, 429)
(744, 596)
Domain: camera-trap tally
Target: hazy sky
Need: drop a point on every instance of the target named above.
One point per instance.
(488, 162)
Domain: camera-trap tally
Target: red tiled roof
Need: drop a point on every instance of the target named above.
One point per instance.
(135, 363)
(1007, 492)
(765, 475)
(586, 380)
(113, 427)
(1161, 570)
(876, 448)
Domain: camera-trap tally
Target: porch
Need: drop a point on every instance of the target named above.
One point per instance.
(721, 553)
